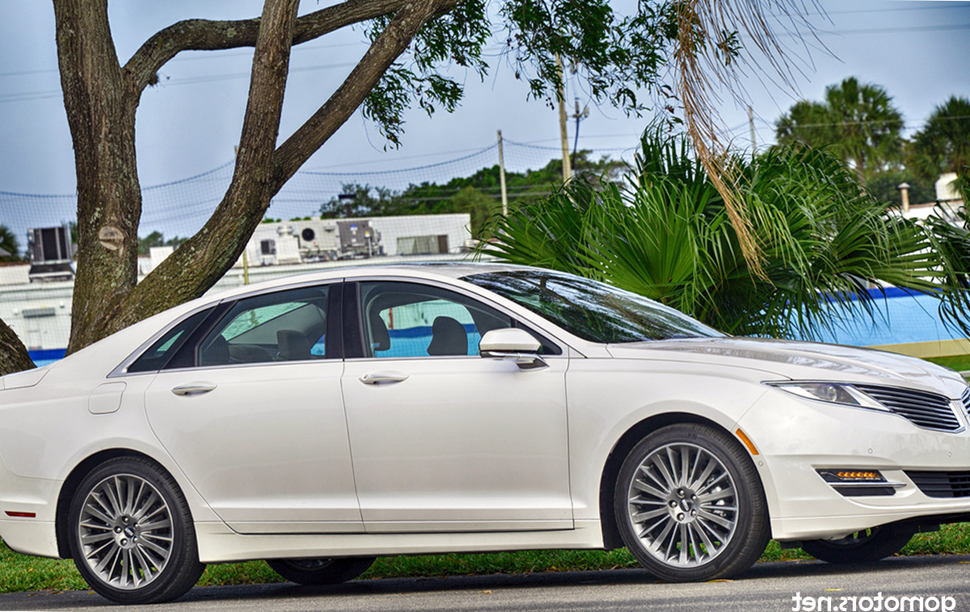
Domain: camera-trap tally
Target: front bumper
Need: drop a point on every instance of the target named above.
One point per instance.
(796, 437)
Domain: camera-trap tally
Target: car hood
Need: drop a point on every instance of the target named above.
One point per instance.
(802, 361)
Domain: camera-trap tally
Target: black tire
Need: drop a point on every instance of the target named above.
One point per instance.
(131, 533)
(863, 546)
(317, 572)
(689, 504)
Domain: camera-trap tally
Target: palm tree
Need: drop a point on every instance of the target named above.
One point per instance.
(9, 246)
(857, 121)
(666, 234)
(943, 145)
(807, 122)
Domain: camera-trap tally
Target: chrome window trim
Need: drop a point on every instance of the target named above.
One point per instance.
(122, 369)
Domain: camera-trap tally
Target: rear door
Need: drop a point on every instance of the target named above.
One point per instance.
(253, 415)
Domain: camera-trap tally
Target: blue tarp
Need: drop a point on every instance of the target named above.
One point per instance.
(901, 317)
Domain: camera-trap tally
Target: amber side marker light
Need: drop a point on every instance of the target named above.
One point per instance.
(859, 483)
(747, 442)
(862, 476)
(22, 514)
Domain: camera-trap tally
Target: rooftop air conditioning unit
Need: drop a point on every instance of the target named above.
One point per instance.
(51, 252)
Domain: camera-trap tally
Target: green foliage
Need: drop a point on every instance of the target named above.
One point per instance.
(951, 241)
(478, 195)
(667, 235)
(884, 187)
(857, 122)
(943, 145)
(617, 55)
(157, 239)
(10, 244)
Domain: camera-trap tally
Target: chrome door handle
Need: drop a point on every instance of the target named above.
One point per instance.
(378, 378)
(193, 389)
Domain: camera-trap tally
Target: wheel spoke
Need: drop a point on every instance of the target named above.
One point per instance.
(707, 498)
(709, 547)
(94, 538)
(149, 506)
(91, 509)
(160, 549)
(645, 488)
(669, 480)
(111, 492)
(646, 516)
(682, 529)
(710, 516)
(708, 486)
(705, 474)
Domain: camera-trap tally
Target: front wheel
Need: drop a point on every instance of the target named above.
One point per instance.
(689, 504)
(863, 546)
(317, 572)
(131, 533)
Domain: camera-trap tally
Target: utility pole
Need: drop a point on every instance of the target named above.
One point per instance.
(577, 116)
(235, 153)
(501, 177)
(567, 170)
(754, 145)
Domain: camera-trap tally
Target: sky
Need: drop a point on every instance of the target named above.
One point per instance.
(189, 123)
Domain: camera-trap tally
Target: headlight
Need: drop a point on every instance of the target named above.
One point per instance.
(833, 393)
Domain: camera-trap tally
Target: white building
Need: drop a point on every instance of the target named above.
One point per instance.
(40, 312)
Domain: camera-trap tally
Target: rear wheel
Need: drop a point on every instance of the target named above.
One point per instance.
(132, 536)
(689, 504)
(863, 546)
(315, 572)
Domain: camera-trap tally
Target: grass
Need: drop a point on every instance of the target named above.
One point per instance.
(22, 573)
(960, 363)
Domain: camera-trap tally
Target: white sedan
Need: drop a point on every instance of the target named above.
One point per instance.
(321, 420)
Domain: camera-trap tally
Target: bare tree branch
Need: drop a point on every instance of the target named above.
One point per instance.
(216, 247)
(203, 259)
(208, 35)
(393, 41)
(13, 353)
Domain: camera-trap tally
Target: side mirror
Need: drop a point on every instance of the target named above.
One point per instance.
(513, 344)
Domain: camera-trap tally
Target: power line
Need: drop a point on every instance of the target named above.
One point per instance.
(40, 95)
(895, 9)
(928, 28)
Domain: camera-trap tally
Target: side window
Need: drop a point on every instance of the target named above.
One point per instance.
(283, 326)
(412, 320)
(162, 350)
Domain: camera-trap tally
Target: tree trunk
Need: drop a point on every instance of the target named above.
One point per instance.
(101, 115)
(13, 353)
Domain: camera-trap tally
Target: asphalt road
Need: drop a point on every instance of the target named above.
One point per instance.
(936, 583)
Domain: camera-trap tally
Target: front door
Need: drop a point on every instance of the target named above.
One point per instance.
(442, 439)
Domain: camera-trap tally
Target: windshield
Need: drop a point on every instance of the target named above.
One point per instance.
(592, 310)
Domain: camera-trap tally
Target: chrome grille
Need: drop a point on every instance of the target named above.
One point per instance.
(923, 409)
(966, 399)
